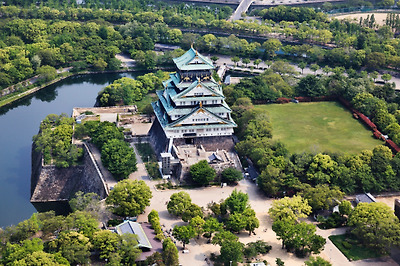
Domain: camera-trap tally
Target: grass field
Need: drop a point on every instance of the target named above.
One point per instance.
(350, 247)
(318, 127)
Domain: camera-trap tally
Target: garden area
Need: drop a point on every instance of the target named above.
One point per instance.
(318, 127)
(351, 247)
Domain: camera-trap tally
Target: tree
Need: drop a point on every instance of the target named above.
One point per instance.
(246, 61)
(279, 262)
(119, 158)
(302, 65)
(251, 221)
(317, 261)
(150, 60)
(82, 222)
(283, 68)
(231, 175)
(303, 240)
(39, 258)
(129, 197)
(170, 253)
(36, 61)
(271, 46)
(178, 203)
(155, 259)
(85, 202)
(114, 64)
(268, 63)
(236, 222)
(106, 242)
(223, 236)
(47, 73)
(374, 75)
(252, 249)
(214, 58)
(327, 70)
(387, 3)
(202, 173)
(322, 197)
(345, 208)
(184, 233)
(314, 67)
(211, 226)
(99, 64)
(197, 223)
(257, 62)
(235, 60)
(231, 252)
(311, 86)
(73, 246)
(289, 208)
(128, 249)
(237, 202)
(386, 77)
(25, 229)
(375, 225)
(10, 253)
(191, 212)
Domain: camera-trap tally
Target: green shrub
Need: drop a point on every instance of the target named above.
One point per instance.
(347, 245)
(160, 236)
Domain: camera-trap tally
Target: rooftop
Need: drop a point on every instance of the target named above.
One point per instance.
(192, 60)
(191, 154)
(129, 227)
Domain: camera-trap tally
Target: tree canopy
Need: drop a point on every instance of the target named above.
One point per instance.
(202, 173)
(375, 225)
(129, 197)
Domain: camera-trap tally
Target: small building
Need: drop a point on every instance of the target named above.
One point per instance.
(145, 237)
(129, 227)
(366, 198)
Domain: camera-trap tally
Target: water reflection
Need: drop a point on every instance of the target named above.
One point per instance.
(20, 121)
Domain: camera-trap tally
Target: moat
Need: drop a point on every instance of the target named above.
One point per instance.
(20, 121)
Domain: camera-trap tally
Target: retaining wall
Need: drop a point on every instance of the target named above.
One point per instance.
(52, 187)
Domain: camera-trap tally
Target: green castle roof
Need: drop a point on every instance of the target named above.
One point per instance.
(185, 62)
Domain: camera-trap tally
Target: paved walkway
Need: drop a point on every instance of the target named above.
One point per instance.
(108, 178)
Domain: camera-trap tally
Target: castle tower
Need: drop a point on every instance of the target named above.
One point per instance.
(192, 103)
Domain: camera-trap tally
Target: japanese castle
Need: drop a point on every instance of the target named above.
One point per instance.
(192, 104)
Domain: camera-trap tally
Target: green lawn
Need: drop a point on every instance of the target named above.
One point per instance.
(352, 249)
(318, 127)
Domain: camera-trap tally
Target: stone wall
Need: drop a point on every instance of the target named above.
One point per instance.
(52, 187)
(158, 139)
(211, 143)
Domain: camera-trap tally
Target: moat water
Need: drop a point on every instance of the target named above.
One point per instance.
(19, 122)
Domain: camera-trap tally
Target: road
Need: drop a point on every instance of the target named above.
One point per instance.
(242, 8)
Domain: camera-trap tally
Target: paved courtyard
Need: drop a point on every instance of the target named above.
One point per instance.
(199, 249)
